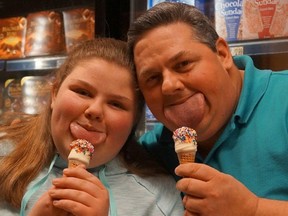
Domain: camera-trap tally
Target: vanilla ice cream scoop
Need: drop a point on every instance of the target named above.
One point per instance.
(81, 153)
(185, 139)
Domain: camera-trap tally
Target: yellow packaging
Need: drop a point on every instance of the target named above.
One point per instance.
(12, 37)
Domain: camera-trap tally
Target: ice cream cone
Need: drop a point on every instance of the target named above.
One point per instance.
(185, 144)
(186, 157)
(81, 153)
(74, 163)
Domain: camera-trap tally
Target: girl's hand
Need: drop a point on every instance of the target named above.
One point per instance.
(44, 206)
(80, 193)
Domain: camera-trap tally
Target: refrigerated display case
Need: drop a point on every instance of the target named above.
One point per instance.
(112, 19)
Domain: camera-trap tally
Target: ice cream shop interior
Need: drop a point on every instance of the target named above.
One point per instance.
(35, 37)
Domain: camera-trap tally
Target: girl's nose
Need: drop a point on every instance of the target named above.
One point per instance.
(94, 111)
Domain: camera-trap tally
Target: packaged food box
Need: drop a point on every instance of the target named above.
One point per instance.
(12, 96)
(79, 25)
(265, 19)
(35, 93)
(251, 19)
(45, 34)
(228, 19)
(12, 37)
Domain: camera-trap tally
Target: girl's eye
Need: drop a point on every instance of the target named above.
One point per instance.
(117, 105)
(82, 92)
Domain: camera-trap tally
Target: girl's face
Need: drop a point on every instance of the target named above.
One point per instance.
(95, 102)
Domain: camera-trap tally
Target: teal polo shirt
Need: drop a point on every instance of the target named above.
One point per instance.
(254, 145)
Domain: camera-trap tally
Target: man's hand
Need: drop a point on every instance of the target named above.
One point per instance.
(210, 192)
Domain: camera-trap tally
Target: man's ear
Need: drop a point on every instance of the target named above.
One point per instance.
(224, 54)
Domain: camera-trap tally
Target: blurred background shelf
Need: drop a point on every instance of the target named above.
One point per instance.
(260, 47)
(37, 63)
(266, 53)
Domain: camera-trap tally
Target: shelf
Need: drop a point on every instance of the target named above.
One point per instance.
(37, 63)
(2, 65)
(259, 47)
(252, 48)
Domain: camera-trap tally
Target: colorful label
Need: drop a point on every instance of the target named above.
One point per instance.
(228, 17)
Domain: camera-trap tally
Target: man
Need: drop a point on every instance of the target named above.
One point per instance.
(189, 78)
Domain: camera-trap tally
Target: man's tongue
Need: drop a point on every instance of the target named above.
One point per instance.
(189, 113)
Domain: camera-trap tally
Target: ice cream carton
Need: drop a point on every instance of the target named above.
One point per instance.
(12, 37)
(265, 19)
(228, 19)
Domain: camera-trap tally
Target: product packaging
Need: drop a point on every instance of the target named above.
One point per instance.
(12, 37)
(79, 25)
(45, 34)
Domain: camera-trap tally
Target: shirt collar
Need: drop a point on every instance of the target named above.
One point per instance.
(255, 84)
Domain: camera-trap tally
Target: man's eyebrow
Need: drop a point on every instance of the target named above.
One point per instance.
(178, 55)
(146, 72)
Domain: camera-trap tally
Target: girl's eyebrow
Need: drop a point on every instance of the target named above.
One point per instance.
(122, 98)
(115, 96)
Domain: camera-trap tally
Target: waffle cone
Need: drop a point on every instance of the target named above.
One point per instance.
(186, 157)
(74, 163)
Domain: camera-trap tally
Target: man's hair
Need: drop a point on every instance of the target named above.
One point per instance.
(167, 13)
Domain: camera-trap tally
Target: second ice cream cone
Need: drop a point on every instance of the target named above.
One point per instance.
(185, 144)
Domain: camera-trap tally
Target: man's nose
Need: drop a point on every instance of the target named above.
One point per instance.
(171, 82)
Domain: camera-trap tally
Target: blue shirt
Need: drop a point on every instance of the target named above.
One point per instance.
(254, 145)
(130, 193)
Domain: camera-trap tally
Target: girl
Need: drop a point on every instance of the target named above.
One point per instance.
(94, 97)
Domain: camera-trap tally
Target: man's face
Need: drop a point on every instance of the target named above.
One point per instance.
(183, 81)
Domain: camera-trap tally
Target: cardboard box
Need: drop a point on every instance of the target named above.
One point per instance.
(228, 19)
(251, 19)
(45, 34)
(12, 96)
(12, 37)
(35, 93)
(265, 19)
(79, 25)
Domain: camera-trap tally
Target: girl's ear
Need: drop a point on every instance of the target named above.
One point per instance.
(224, 53)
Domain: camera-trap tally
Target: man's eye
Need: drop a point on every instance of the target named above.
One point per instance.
(152, 78)
(182, 65)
